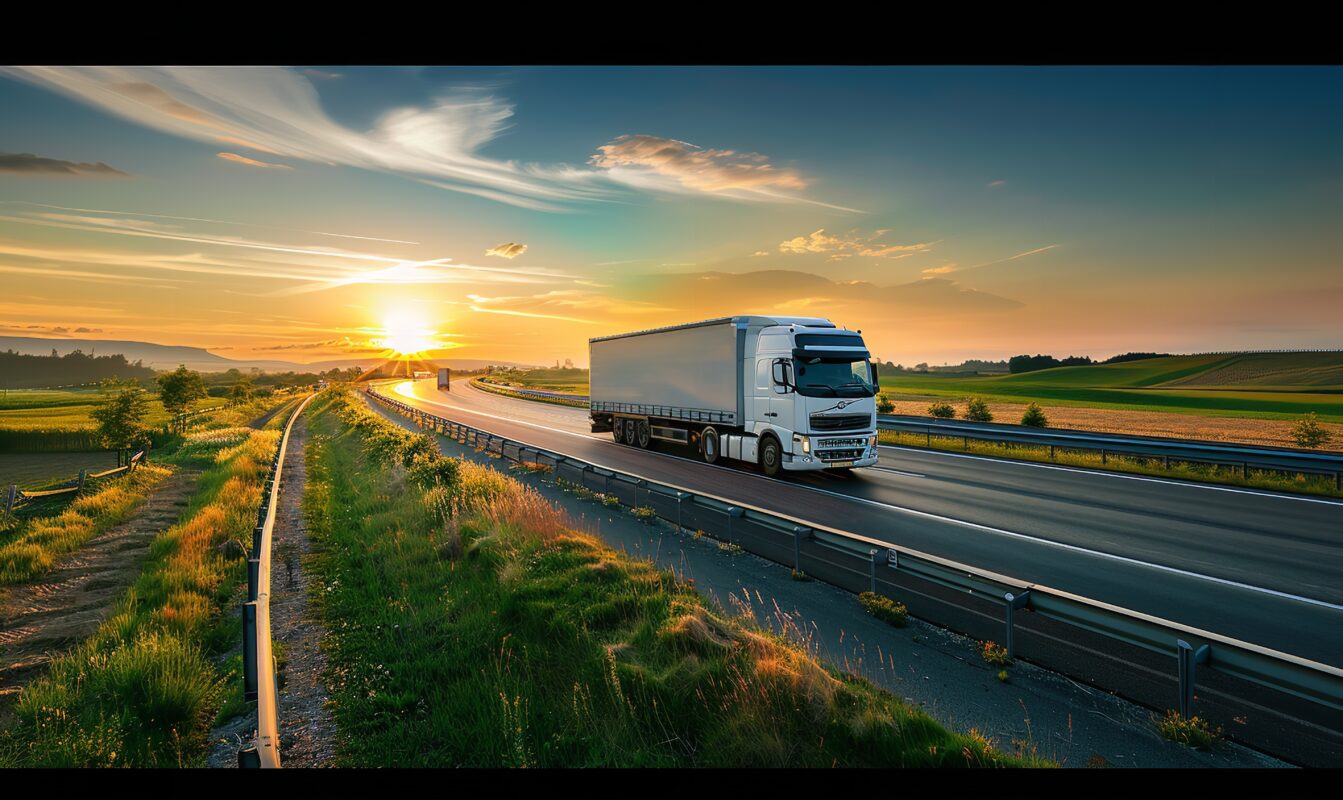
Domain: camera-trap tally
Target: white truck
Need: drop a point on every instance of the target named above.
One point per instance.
(787, 393)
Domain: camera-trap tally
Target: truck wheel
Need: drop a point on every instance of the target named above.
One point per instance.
(618, 431)
(645, 436)
(708, 445)
(771, 456)
(630, 425)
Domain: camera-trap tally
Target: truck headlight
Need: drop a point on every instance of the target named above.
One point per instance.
(805, 441)
(872, 441)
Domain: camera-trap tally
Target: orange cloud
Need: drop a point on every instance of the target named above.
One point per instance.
(251, 162)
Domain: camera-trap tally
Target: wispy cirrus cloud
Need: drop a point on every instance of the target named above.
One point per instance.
(251, 162)
(670, 165)
(31, 164)
(850, 244)
(509, 250)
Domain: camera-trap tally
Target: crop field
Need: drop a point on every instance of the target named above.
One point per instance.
(68, 409)
(36, 470)
(572, 381)
(1177, 384)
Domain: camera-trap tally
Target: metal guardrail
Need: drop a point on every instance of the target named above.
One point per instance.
(578, 401)
(15, 497)
(259, 681)
(1303, 678)
(1187, 450)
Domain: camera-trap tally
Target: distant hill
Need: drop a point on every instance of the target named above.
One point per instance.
(164, 356)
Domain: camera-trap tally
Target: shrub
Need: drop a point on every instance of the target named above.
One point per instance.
(884, 404)
(995, 654)
(941, 410)
(433, 470)
(976, 410)
(1193, 732)
(1002, 675)
(884, 608)
(644, 513)
(1034, 417)
(1308, 432)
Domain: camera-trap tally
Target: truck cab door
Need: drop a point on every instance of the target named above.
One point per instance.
(781, 396)
(763, 391)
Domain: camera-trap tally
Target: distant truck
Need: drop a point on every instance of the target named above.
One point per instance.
(787, 393)
(420, 373)
(444, 378)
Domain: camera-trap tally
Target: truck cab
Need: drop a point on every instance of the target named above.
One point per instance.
(814, 397)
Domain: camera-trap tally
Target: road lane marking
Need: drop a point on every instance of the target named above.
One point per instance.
(951, 520)
(1147, 478)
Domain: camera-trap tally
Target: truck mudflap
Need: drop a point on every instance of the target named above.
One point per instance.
(601, 423)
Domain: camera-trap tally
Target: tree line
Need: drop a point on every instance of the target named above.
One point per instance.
(21, 371)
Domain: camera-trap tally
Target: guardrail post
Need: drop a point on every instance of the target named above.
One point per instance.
(929, 433)
(798, 533)
(249, 758)
(249, 665)
(873, 556)
(11, 496)
(253, 577)
(1189, 659)
(1014, 602)
(257, 533)
(1051, 452)
(732, 513)
(680, 498)
(1338, 481)
(1103, 459)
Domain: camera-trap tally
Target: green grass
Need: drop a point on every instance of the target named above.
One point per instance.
(1090, 459)
(470, 626)
(572, 381)
(1157, 384)
(41, 470)
(144, 689)
(1193, 731)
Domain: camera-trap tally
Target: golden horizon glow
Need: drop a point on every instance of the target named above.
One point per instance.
(406, 335)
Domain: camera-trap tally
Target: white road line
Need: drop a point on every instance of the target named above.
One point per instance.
(1148, 479)
(978, 526)
(880, 468)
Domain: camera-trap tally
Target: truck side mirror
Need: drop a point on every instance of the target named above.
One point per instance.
(783, 375)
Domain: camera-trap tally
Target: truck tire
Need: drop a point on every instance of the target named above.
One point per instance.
(618, 431)
(644, 434)
(771, 455)
(708, 446)
(630, 426)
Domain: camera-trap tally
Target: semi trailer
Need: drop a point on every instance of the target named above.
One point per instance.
(786, 393)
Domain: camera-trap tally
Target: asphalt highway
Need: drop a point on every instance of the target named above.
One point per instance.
(1258, 566)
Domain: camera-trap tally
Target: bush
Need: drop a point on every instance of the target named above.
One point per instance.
(941, 410)
(884, 608)
(1034, 417)
(995, 654)
(976, 410)
(1308, 432)
(884, 404)
(1193, 732)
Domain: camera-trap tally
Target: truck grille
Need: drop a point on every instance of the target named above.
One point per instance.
(839, 455)
(841, 422)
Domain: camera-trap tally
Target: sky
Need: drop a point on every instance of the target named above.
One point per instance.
(510, 214)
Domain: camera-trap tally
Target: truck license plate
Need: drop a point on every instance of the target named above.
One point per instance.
(840, 464)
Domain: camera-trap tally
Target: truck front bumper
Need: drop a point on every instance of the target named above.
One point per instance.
(831, 452)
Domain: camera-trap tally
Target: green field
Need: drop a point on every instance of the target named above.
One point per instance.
(68, 409)
(37, 470)
(572, 381)
(1266, 386)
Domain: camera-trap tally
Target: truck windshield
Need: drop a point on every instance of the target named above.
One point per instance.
(834, 377)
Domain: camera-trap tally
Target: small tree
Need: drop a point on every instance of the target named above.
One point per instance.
(1034, 417)
(179, 389)
(942, 410)
(976, 410)
(121, 416)
(884, 404)
(242, 392)
(1308, 432)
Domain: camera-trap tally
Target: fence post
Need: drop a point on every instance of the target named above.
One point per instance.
(83, 478)
(1189, 659)
(11, 497)
(1013, 603)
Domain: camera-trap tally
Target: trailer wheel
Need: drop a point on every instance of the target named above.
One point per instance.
(645, 435)
(618, 432)
(771, 456)
(708, 445)
(630, 425)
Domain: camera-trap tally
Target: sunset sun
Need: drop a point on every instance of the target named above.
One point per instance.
(406, 335)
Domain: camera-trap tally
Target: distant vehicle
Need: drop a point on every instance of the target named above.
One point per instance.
(787, 393)
(444, 378)
(420, 373)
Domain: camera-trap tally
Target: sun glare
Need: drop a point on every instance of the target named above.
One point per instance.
(406, 335)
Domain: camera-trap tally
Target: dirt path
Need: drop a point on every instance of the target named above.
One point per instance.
(307, 729)
(38, 621)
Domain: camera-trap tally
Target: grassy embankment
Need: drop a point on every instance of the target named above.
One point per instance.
(1262, 386)
(472, 626)
(145, 688)
(508, 391)
(1089, 459)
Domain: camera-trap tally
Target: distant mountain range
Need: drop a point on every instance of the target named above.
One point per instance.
(164, 356)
